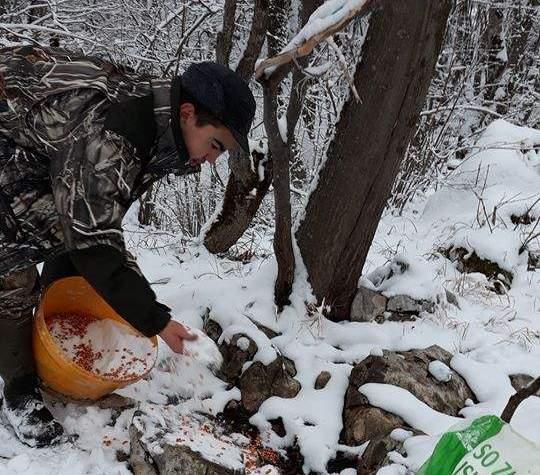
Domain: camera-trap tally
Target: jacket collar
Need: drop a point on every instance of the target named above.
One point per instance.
(171, 155)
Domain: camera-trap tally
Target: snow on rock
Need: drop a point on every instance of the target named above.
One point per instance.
(498, 334)
(402, 403)
(242, 343)
(497, 183)
(313, 417)
(440, 371)
(492, 388)
(401, 435)
(526, 419)
(404, 275)
(165, 433)
(394, 469)
(179, 441)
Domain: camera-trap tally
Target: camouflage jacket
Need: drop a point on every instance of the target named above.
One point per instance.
(80, 141)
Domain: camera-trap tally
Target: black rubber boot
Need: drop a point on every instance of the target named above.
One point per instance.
(23, 404)
(23, 407)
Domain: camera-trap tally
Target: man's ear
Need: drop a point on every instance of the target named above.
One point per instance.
(187, 110)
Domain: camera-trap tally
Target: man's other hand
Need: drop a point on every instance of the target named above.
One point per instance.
(174, 335)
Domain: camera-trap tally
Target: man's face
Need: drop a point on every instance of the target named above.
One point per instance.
(204, 143)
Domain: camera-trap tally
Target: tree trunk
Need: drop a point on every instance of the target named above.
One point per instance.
(399, 57)
(280, 153)
(224, 37)
(239, 203)
(245, 192)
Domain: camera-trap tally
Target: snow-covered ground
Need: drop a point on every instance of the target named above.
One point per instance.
(491, 335)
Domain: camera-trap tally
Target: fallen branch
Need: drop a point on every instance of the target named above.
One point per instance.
(518, 398)
(322, 24)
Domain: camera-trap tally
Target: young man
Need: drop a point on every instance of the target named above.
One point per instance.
(80, 141)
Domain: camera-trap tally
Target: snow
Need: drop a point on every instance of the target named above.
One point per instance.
(440, 371)
(526, 419)
(401, 435)
(282, 126)
(491, 387)
(242, 343)
(330, 13)
(404, 275)
(401, 402)
(491, 336)
(114, 342)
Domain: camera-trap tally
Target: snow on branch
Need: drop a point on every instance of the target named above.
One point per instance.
(331, 17)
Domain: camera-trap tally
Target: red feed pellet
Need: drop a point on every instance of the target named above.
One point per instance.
(103, 347)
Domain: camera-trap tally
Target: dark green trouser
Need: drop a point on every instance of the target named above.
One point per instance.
(19, 294)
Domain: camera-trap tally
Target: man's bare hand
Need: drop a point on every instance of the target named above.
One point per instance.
(174, 334)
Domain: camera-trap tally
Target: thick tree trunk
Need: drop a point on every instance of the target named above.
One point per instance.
(342, 215)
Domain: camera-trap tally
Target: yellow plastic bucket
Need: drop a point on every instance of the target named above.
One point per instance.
(56, 370)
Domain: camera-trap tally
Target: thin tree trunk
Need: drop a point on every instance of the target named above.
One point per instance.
(399, 57)
(245, 188)
(298, 94)
(279, 145)
(224, 37)
(279, 154)
(244, 194)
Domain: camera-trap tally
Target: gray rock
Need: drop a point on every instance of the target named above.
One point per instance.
(152, 453)
(520, 381)
(235, 356)
(367, 305)
(259, 382)
(408, 370)
(376, 454)
(406, 304)
(140, 460)
(469, 262)
(115, 402)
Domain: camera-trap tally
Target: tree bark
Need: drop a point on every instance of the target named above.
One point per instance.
(239, 204)
(280, 153)
(400, 53)
(518, 398)
(244, 194)
(224, 37)
(257, 35)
